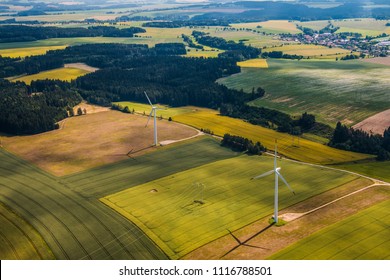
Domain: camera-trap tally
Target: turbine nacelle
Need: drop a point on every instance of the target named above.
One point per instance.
(153, 112)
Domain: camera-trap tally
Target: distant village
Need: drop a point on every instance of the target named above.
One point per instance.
(378, 46)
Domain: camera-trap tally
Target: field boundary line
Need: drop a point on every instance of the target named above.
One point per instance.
(288, 217)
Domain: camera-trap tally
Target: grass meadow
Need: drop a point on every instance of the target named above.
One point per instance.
(363, 236)
(64, 74)
(332, 91)
(227, 199)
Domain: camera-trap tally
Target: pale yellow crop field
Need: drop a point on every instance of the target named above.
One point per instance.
(64, 74)
(289, 146)
(253, 63)
(271, 26)
(23, 52)
(313, 51)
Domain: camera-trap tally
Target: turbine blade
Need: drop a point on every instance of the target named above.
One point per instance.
(149, 118)
(148, 99)
(284, 180)
(264, 174)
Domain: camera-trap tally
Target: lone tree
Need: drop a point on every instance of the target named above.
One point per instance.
(79, 111)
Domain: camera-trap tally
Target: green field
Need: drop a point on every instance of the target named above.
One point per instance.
(332, 91)
(248, 37)
(307, 151)
(143, 39)
(363, 236)
(18, 240)
(229, 200)
(311, 51)
(201, 118)
(165, 161)
(64, 74)
(253, 63)
(165, 113)
(72, 226)
(367, 27)
(375, 169)
(23, 52)
(271, 26)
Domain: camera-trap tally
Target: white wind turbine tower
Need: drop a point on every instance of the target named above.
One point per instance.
(276, 170)
(153, 111)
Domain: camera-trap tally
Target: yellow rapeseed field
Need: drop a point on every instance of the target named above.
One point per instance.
(23, 52)
(64, 74)
(254, 63)
(288, 145)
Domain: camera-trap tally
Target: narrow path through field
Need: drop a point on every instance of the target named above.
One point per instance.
(292, 216)
(257, 240)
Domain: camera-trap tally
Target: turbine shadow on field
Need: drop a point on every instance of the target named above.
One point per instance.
(249, 239)
(131, 152)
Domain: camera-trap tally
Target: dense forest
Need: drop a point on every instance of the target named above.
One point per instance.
(24, 112)
(22, 33)
(360, 141)
(235, 51)
(280, 54)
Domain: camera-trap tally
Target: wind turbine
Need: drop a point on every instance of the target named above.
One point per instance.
(276, 170)
(153, 111)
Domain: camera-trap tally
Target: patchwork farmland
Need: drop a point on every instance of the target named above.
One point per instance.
(363, 236)
(226, 200)
(92, 185)
(208, 119)
(63, 74)
(347, 91)
(91, 140)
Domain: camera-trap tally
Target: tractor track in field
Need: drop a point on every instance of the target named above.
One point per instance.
(102, 247)
(53, 216)
(122, 228)
(10, 245)
(25, 234)
(53, 236)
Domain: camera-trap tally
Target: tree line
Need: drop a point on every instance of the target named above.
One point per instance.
(356, 140)
(235, 51)
(280, 54)
(241, 144)
(23, 33)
